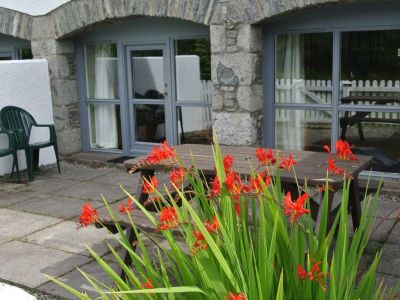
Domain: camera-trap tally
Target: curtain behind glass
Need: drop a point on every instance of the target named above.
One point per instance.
(104, 83)
(291, 68)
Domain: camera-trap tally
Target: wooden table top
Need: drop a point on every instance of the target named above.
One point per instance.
(310, 167)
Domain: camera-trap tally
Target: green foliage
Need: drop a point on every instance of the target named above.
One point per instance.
(256, 252)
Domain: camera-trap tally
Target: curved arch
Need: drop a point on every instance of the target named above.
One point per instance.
(78, 15)
(268, 10)
(15, 24)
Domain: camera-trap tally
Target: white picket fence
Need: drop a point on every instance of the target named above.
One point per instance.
(320, 92)
(206, 90)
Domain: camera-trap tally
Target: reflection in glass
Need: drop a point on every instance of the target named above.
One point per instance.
(101, 71)
(5, 58)
(302, 129)
(193, 70)
(194, 125)
(150, 123)
(376, 134)
(303, 70)
(25, 53)
(148, 74)
(370, 68)
(104, 126)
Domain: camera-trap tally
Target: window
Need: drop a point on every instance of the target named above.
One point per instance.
(193, 90)
(102, 96)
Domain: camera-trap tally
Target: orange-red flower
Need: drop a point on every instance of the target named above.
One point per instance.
(313, 274)
(265, 157)
(200, 243)
(343, 150)
(228, 162)
(176, 176)
(295, 209)
(160, 153)
(150, 186)
(301, 273)
(148, 284)
(254, 184)
(168, 218)
(232, 182)
(213, 226)
(232, 296)
(287, 163)
(333, 168)
(215, 187)
(88, 215)
(128, 207)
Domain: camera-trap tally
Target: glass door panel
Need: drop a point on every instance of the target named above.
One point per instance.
(370, 68)
(303, 68)
(148, 95)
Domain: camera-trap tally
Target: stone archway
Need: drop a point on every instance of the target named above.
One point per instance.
(15, 24)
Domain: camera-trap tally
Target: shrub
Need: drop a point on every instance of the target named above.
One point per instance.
(246, 239)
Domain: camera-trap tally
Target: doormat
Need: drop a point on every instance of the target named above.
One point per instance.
(120, 160)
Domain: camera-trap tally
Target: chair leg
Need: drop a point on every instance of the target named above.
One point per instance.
(57, 158)
(29, 158)
(15, 156)
(36, 153)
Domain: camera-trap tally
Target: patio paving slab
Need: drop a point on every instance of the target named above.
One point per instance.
(74, 172)
(381, 229)
(66, 237)
(15, 224)
(116, 178)
(49, 185)
(92, 191)
(7, 198)
(27, 263)
(390, 261)
(394, 236)
(77, 281)
(53, 205)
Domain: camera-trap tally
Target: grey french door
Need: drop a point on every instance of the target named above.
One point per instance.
(149, 100)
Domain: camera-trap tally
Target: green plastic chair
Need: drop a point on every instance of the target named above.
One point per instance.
(20, 122)
(10, 150)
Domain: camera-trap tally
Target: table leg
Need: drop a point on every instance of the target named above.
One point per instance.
(132, 238)
(354, 201)
(344, 122)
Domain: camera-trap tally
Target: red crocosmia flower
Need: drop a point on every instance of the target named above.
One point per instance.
(287, 163)
(228, 162)
(168, 218)
(343, 151)
(160, 153)
(333, 168)
(88, 215)
(301, 273)
(215, 187)
(213, 226)
(176, 176)
(254, 184)
(265, 157)
(239, 296)
(148, 284)
(237, 205)
(149, 186)
(313, 274)
(128, 207)
(200, 243)
(295, 209)
(327, 149)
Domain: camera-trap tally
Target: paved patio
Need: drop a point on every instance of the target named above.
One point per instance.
(38, 228)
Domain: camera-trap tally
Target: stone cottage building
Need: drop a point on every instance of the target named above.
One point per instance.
(128, 73)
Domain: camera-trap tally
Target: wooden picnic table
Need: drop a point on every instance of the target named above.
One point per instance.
(310, 169)
(362, 116)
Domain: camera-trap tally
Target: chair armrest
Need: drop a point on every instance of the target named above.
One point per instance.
(11, 138)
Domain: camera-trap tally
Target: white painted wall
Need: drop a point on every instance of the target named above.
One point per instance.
(32, 7)
(26, 84)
